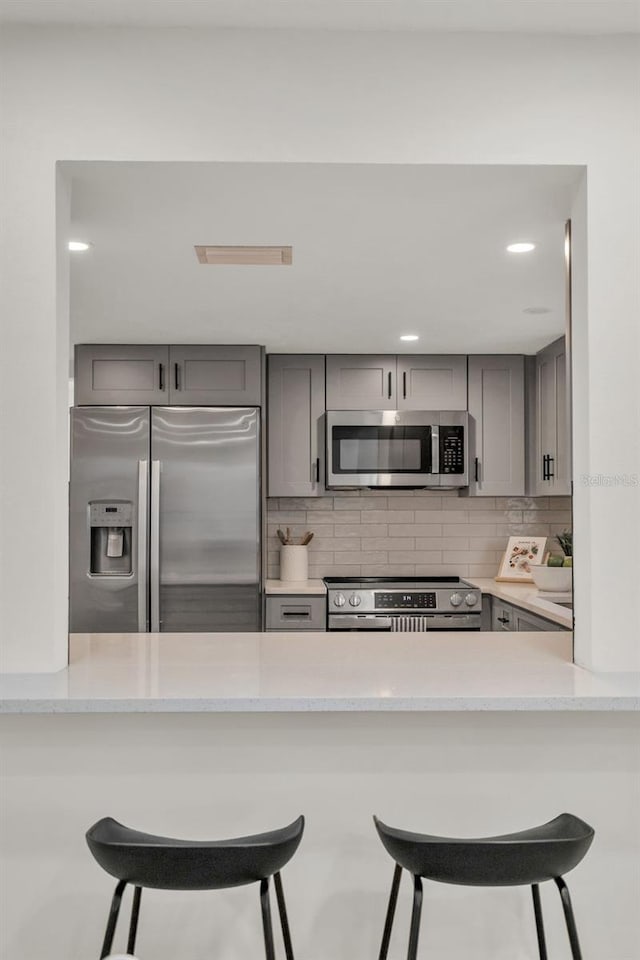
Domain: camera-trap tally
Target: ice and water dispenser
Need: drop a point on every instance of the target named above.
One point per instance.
(111, 525)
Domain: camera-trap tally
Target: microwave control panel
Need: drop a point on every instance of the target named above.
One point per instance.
(451, 449)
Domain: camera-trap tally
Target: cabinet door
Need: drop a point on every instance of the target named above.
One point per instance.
(523, 620)
(501, 616)
(432, 383)
(121, 374)
(215, 375)
(295, 425)
(562, 467)
(361, 383)
(496, 426)
(552, 467)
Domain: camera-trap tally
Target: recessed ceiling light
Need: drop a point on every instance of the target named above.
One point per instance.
(77, 246)
(256, 255)
(409, 336)
(521, 247)
(537, 311)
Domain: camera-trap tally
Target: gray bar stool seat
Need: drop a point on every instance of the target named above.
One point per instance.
(529, 857)
(165, 863)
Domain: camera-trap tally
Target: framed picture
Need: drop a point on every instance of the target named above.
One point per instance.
(521, 554)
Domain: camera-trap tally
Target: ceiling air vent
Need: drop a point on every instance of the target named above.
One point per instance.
(266, 256)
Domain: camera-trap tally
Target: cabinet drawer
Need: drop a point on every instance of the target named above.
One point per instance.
(297, 612)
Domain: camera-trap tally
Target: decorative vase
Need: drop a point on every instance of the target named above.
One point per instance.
(294, 562)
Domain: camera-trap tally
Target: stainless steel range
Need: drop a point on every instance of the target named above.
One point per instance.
(402, 604)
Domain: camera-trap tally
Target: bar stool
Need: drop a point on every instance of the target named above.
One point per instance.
(529, 858)
(164, 863)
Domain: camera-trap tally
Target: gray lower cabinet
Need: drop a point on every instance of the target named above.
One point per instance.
(296, 612)
(147, 374)
(508, 617)
(551, 465)
(501, 616)
(357, 382)
(213, 375)
(436, 382)
(496, 426)
(295, 424)
(108, 374)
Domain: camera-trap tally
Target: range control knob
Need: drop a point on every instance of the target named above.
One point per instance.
(355, 600)
(339, 600)
(471, 599)
(455, 599)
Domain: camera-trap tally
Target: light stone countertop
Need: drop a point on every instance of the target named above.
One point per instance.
(527, 596)
(295, 672)
(295, 587)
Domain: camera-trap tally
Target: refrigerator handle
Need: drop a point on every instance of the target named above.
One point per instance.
(143, 511)
(154, 540)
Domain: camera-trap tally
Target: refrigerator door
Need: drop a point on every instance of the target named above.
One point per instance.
(108, 519)
(205, 519)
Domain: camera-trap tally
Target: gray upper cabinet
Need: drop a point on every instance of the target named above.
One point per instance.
(215, 375)
(296, 406)
(108, 374)
(361, 382)
(551, 471)
(147, 374)
(396, 382)
(432, 382)
(496, 426)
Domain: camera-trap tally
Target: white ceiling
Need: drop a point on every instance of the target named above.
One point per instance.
(378, 250)
(518, 16)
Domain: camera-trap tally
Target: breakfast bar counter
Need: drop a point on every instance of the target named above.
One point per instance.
(317, 672)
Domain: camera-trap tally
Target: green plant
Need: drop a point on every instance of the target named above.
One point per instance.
(565, 539)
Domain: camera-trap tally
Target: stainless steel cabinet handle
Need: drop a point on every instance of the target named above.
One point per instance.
(390, 385)
(176, 375)
(154, 557)
(404, 384)
(143, 508)
(477, 470)
(161, 376)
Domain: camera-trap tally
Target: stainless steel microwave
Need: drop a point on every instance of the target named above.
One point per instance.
(397, 448)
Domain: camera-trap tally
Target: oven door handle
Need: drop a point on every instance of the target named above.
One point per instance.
(360, 622)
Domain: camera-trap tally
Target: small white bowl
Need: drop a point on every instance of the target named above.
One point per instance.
(552, 579)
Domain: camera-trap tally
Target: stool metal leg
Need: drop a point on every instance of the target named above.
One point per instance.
(569, 918)
(537, 908)
(412, 953)
(116, 900)
(266, 920)
(284, 922)
(133, 926)
(391, 912)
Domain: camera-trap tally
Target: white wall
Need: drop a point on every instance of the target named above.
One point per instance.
(73, 94)
(213, 776)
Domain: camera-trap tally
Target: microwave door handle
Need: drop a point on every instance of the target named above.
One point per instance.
(435, 450)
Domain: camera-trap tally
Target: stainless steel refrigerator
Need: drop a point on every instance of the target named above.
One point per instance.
(165, 519)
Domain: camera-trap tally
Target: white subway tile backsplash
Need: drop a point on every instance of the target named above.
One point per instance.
(363, 530)
(413, 532)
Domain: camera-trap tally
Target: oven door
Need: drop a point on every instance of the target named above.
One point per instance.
(382, 448)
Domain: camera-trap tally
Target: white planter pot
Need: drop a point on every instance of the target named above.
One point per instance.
(294, 562)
